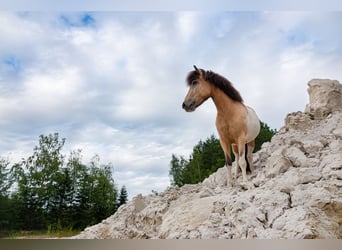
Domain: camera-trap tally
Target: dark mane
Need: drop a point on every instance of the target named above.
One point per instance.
(218, 81)
(223, 84)
(192, 76)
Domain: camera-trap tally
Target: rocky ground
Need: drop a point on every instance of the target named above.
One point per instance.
(295, 192)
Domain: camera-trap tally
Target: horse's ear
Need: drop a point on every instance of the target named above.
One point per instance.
(198, 70)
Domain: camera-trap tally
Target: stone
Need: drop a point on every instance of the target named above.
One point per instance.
(277, 163)
(296, 156)
(325, 97)
(298, 120)
(338, 132)
(139, 203)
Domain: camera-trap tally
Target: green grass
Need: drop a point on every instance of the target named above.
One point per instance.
(38, 234)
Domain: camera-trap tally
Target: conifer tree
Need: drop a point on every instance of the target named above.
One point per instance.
(123, 196)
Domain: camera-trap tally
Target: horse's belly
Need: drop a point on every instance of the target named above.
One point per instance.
(253, 125)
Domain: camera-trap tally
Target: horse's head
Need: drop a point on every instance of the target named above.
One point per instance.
(199, 90)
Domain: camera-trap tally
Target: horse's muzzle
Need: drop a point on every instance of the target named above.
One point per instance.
(189, 106)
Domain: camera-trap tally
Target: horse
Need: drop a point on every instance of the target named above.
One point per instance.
(237, 124)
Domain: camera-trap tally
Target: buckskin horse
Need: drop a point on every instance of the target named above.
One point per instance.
(237, 124)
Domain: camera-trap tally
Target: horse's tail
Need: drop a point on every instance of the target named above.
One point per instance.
(248, 167)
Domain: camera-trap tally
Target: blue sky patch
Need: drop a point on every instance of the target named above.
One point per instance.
(297, 38)
(84, 20)
(13, 62)
(88, 20)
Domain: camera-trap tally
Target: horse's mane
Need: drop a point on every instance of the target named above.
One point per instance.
(216, 80)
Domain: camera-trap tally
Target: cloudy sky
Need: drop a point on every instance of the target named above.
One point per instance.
(112, 83)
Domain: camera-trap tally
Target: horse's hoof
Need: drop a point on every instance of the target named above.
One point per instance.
(229, 185)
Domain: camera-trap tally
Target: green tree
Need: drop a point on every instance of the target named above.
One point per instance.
(21, 198)
(5, 177)
(46, 172)
(5, 201)
(104, 193)
(177, 165)
(52, 193)
(39, 180)
(265, 135)
(123, 196)
(205, 159)
(97, 193)
(79, 176)
(29, 209)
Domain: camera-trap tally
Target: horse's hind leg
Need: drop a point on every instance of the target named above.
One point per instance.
(236, 161)
(229, 168)
(251, 146)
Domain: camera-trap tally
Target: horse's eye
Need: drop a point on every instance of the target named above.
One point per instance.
(194, 82)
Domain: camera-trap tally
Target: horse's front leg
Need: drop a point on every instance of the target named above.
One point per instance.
(236, 161)
(227, 154)
(229, 168)
(242, 161)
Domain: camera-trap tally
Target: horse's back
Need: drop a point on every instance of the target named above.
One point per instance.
(253, 124)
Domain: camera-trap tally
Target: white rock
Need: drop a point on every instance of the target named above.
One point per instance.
(312, 147)
(338, 132)
(296, 157)
(325, 97)
(277, 163)
(217, 179)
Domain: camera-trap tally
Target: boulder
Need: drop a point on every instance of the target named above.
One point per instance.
(325, 97)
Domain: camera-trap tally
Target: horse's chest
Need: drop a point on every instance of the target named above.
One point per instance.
(230, 127)
(226, 129)
(221, 125)
(230, 120)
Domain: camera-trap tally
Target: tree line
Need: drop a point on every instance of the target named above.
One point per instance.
(206, 157)
(52, 191)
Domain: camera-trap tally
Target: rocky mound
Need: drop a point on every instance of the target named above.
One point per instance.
(297, 188)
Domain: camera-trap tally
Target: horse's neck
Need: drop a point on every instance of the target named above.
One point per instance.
(224, 104)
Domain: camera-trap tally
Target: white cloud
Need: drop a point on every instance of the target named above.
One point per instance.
(114, 86)
(187, 24)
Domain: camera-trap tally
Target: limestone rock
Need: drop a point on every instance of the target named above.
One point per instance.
(325, 97)
(298, 120)
(296, 194)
